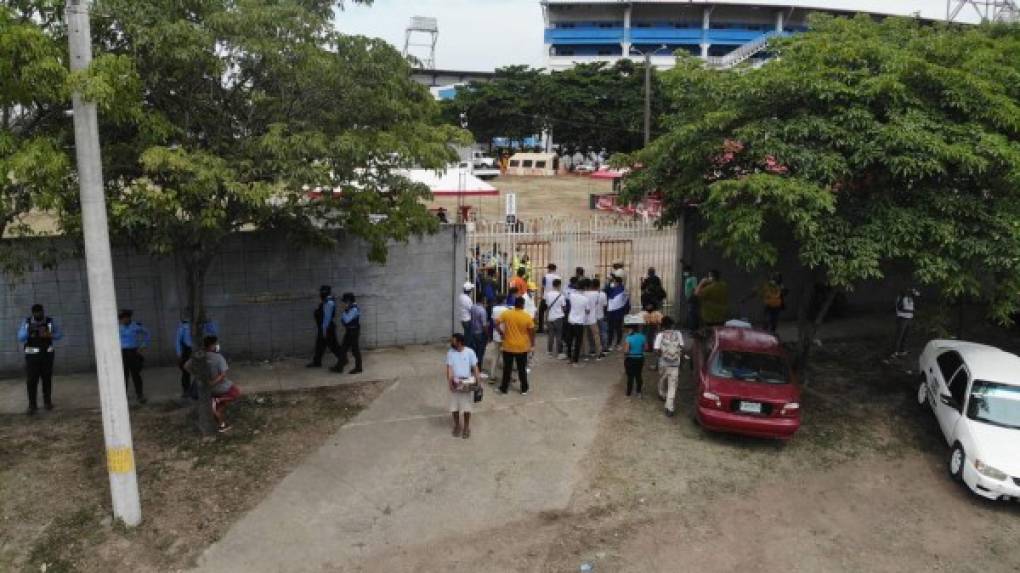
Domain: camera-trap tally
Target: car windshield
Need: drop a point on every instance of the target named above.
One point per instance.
(995, 403)
(750, 366)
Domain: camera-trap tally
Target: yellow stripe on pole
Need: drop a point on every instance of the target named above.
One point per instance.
(120, 460)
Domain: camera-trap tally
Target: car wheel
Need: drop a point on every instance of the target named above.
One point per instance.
(922, 391)
(956, 460)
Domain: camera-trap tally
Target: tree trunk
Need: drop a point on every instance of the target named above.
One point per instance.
(807, 325)
(196, 269)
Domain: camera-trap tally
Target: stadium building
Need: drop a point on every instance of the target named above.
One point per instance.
(723, 33)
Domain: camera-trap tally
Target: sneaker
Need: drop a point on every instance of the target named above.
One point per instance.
(669, 413)
(483, 375)
(224, 427)
(31, 411)
(524, 393)
(601, 356)
(355, 371)
(502, 391)
(575, 365)
(561, 357)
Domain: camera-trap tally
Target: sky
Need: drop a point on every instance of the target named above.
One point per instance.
(481, 35)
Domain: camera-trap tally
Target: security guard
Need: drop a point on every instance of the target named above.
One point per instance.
(351, 319)
(133, 339)
(37, 334)
(325, 327)
(182, 344)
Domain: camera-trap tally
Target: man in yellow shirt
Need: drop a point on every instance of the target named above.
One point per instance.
(517, 329)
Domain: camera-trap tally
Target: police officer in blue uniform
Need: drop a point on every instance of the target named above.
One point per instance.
(182, 344)
(37, 334)
(351, 319)
(325, 327)
(133, 339)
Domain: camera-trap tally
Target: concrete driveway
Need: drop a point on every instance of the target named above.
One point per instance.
(395, 478)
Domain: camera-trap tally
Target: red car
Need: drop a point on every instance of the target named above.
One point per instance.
(746, 386)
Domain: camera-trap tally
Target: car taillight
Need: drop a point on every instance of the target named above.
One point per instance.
(790, 409)
(710, 399)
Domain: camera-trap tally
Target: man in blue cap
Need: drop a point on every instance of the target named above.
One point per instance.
(351, 319)
(325, 327)
(133, 339)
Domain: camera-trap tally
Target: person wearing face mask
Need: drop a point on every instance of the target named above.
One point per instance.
(37, 333)
(222, 389)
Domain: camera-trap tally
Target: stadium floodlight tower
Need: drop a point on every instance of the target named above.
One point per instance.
(986, 10)
(422, 26)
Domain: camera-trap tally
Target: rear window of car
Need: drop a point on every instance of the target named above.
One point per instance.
(750, 366)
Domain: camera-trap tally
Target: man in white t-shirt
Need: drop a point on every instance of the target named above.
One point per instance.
(591, 323)
(555, 301)
(576, 319)
(497, 342)
(464, 308)
(462, 378)
(547, 286)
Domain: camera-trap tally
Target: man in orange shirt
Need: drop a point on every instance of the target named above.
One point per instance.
(517, 329)
(519, 283)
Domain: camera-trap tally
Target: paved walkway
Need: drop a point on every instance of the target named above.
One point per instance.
(394, 478)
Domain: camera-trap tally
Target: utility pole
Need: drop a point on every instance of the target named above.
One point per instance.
(648, 88)
(120, 458)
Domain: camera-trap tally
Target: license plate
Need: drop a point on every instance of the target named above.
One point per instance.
(750, 407)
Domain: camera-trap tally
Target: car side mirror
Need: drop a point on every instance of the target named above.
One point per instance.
(949, 401)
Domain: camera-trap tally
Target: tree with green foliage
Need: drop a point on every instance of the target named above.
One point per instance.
(870, 144)
(589, 107)
(33, 98)
(508, 106)
(595, 106)
(238, 111)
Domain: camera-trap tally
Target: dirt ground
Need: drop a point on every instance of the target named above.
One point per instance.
(53, 481)
(537, 197)
(862, 487)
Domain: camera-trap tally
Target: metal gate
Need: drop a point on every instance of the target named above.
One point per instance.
(593, 244)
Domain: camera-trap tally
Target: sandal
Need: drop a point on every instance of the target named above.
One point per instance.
(466, 434)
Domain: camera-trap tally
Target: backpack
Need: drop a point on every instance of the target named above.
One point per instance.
(772, 295)
(672, 346)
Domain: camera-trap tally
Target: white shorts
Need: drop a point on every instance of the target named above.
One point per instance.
(462, 402)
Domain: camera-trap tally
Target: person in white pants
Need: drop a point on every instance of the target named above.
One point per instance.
(669, 345)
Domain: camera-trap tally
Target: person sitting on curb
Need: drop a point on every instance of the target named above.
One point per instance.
(222, 389)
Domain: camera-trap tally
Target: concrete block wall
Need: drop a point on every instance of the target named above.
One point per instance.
(262, 292)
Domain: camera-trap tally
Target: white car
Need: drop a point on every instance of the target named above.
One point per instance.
(974, 391)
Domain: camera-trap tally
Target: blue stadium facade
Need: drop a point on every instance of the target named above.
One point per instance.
(579, 31)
